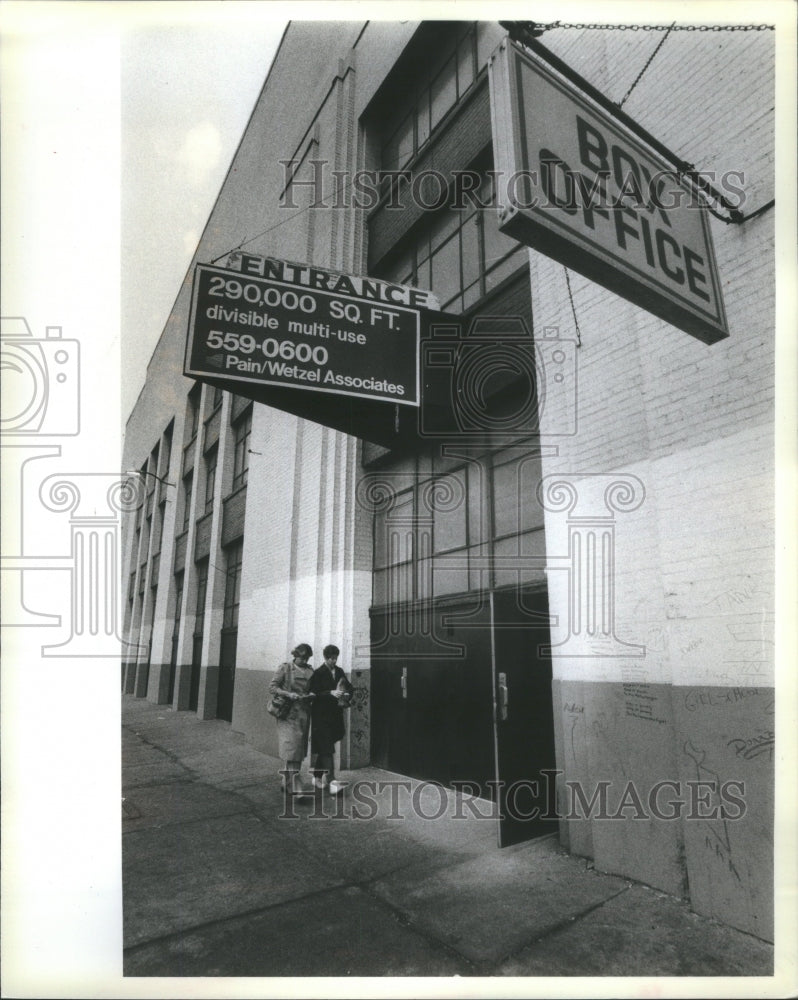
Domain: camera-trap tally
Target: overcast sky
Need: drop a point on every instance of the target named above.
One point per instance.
(191, 74)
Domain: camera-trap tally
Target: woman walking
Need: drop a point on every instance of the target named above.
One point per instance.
(332, 693)
(291, 681)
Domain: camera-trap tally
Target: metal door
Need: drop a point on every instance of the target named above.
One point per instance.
(523, 716)
(431, 692)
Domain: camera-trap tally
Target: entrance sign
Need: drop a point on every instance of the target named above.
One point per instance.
(580, 187)
(324, 336)
(322, 278)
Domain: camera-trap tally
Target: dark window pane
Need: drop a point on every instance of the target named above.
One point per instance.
(447, 500)
(506, 268)
(465, 64)
(497, 245)
(446, 270)
(443, 92)
(382, 552)
(505, 499)
(399, 148)
(450, 576)
(470, 295)
(443, 225)
(470, 243)
(423, 279)
(422, 120)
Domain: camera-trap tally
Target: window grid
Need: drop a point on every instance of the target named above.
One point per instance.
(435, 95)
(460, 255)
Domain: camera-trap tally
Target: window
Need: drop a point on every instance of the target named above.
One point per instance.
(458, 253)
(188, 485)
(435, 83)
(202, 592)
(216, 401)
(433, 538)
(192, 417)
(242, 430)
(179, 580)
(421, 540)
(232, 592)
(394, 551)
(166, 453)
(140, 508)
(211, 458)
(161, 519)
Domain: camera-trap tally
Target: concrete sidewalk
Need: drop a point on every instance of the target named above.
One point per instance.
(220, 880)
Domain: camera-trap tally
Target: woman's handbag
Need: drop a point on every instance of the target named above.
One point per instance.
(278, 705)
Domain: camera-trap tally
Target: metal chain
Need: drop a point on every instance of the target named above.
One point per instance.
(652, 27)
(573, 307)
(650, 59)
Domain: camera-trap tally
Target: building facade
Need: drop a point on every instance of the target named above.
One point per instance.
(587, 599)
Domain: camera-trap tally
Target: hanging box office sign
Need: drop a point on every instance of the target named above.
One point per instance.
(580, 187)
(331, 347)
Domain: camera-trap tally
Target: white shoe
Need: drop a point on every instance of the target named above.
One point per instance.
(319, 782)
(336, 787)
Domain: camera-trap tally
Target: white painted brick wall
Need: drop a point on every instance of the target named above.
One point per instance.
(695, 422)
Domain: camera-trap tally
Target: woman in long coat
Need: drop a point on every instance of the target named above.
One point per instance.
(332, 692)
(292, 681)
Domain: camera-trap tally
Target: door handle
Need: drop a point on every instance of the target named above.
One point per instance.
(403, 682)
(504, 696)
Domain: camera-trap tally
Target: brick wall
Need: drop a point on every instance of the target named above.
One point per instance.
(694, 563)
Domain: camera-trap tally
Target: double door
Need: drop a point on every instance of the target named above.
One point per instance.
(461, 695)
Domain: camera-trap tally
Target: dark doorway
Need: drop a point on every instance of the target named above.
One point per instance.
(196, 660)
(438, 712)
(524, 715)
(227, 675)
(170, 694)
(431, 692)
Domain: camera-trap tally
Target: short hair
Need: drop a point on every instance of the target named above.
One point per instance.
(331, 651)
(303, 649)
